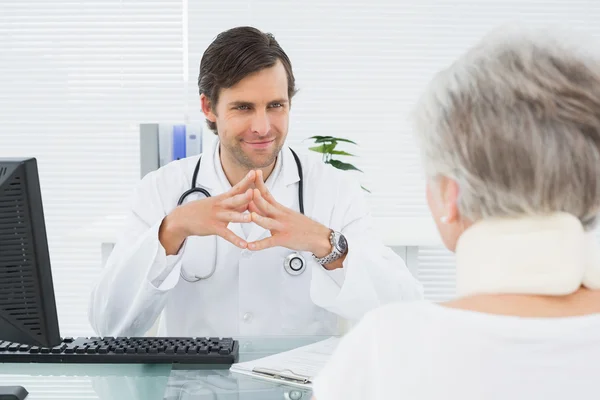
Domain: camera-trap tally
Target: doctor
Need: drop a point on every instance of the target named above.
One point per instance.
(282, 245)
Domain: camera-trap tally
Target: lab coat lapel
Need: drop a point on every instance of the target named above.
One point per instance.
(284, 191)
(207, 176)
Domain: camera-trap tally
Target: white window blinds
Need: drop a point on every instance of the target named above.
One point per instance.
(77, 78)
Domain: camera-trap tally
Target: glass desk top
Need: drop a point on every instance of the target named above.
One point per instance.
(157, 381)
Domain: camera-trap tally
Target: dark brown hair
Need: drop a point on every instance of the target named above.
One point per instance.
(235, 54)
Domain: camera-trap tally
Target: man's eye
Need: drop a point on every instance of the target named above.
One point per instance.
(276, 105)
(242, 108)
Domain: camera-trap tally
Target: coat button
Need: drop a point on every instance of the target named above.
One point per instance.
(293, 395)
(247, 317)
(246, 253)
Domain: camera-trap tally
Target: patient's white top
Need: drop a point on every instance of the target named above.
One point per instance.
(418, 351)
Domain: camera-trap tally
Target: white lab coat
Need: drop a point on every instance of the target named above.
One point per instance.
(250, 293)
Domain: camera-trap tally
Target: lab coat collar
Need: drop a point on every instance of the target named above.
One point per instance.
(289, 169)
(207, 176)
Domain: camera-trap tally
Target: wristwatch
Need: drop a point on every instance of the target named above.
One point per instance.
(339, 247)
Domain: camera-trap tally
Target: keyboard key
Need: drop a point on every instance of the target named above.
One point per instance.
(70, 348)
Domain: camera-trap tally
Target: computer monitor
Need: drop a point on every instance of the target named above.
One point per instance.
(27, 305)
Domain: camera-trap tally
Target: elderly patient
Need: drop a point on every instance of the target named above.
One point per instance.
(510, 137)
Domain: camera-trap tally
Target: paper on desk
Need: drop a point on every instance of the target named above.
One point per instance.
(303, 362)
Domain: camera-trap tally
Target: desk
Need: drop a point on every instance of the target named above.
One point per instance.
(156, 381)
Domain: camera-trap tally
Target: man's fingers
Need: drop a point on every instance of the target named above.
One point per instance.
(232, 238)
(253, 208)
(238, 200)
(264, 208)
(260, 185)
(241, 209)
(266, 222)
(233, 216)
(244, 184)
(263, 244)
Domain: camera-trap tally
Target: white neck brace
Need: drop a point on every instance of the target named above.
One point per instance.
(550, 255)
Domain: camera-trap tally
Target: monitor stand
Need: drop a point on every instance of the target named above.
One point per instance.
(13, 393)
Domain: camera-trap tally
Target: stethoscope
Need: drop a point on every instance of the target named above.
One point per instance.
(294, 264)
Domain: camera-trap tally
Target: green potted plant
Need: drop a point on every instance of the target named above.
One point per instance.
(326, 145)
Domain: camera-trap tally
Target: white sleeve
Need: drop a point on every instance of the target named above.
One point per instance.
(349, 373)
(138, 275)
(372, 273)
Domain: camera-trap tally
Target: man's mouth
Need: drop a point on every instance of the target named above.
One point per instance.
(260, 144)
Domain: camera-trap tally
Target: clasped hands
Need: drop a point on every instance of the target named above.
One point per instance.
(288, 228)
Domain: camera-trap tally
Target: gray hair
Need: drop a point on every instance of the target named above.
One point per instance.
(516, 123)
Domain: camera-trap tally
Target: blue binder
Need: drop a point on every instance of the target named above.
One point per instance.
(179, 139)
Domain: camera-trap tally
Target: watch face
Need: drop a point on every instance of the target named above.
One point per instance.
(341, 244)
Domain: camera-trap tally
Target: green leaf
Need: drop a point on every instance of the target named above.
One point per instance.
(326, 139)
(344, 140)
(320, 137)
(341, 153)
(343, 166)
(365, 189)
(324, 148)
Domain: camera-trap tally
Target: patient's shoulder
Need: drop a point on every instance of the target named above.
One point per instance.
(406, 317)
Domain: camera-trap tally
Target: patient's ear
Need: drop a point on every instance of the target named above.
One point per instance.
(442, 197)
(450, 193)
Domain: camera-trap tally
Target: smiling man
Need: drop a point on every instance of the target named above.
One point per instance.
(282, 245)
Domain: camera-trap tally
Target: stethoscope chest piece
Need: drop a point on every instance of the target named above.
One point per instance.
(294, 264)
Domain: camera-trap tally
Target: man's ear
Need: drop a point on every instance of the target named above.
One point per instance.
(207, 108)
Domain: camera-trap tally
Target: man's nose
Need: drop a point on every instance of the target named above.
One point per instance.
(260, 123)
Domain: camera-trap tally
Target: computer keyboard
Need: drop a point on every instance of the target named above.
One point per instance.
(125, 350)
